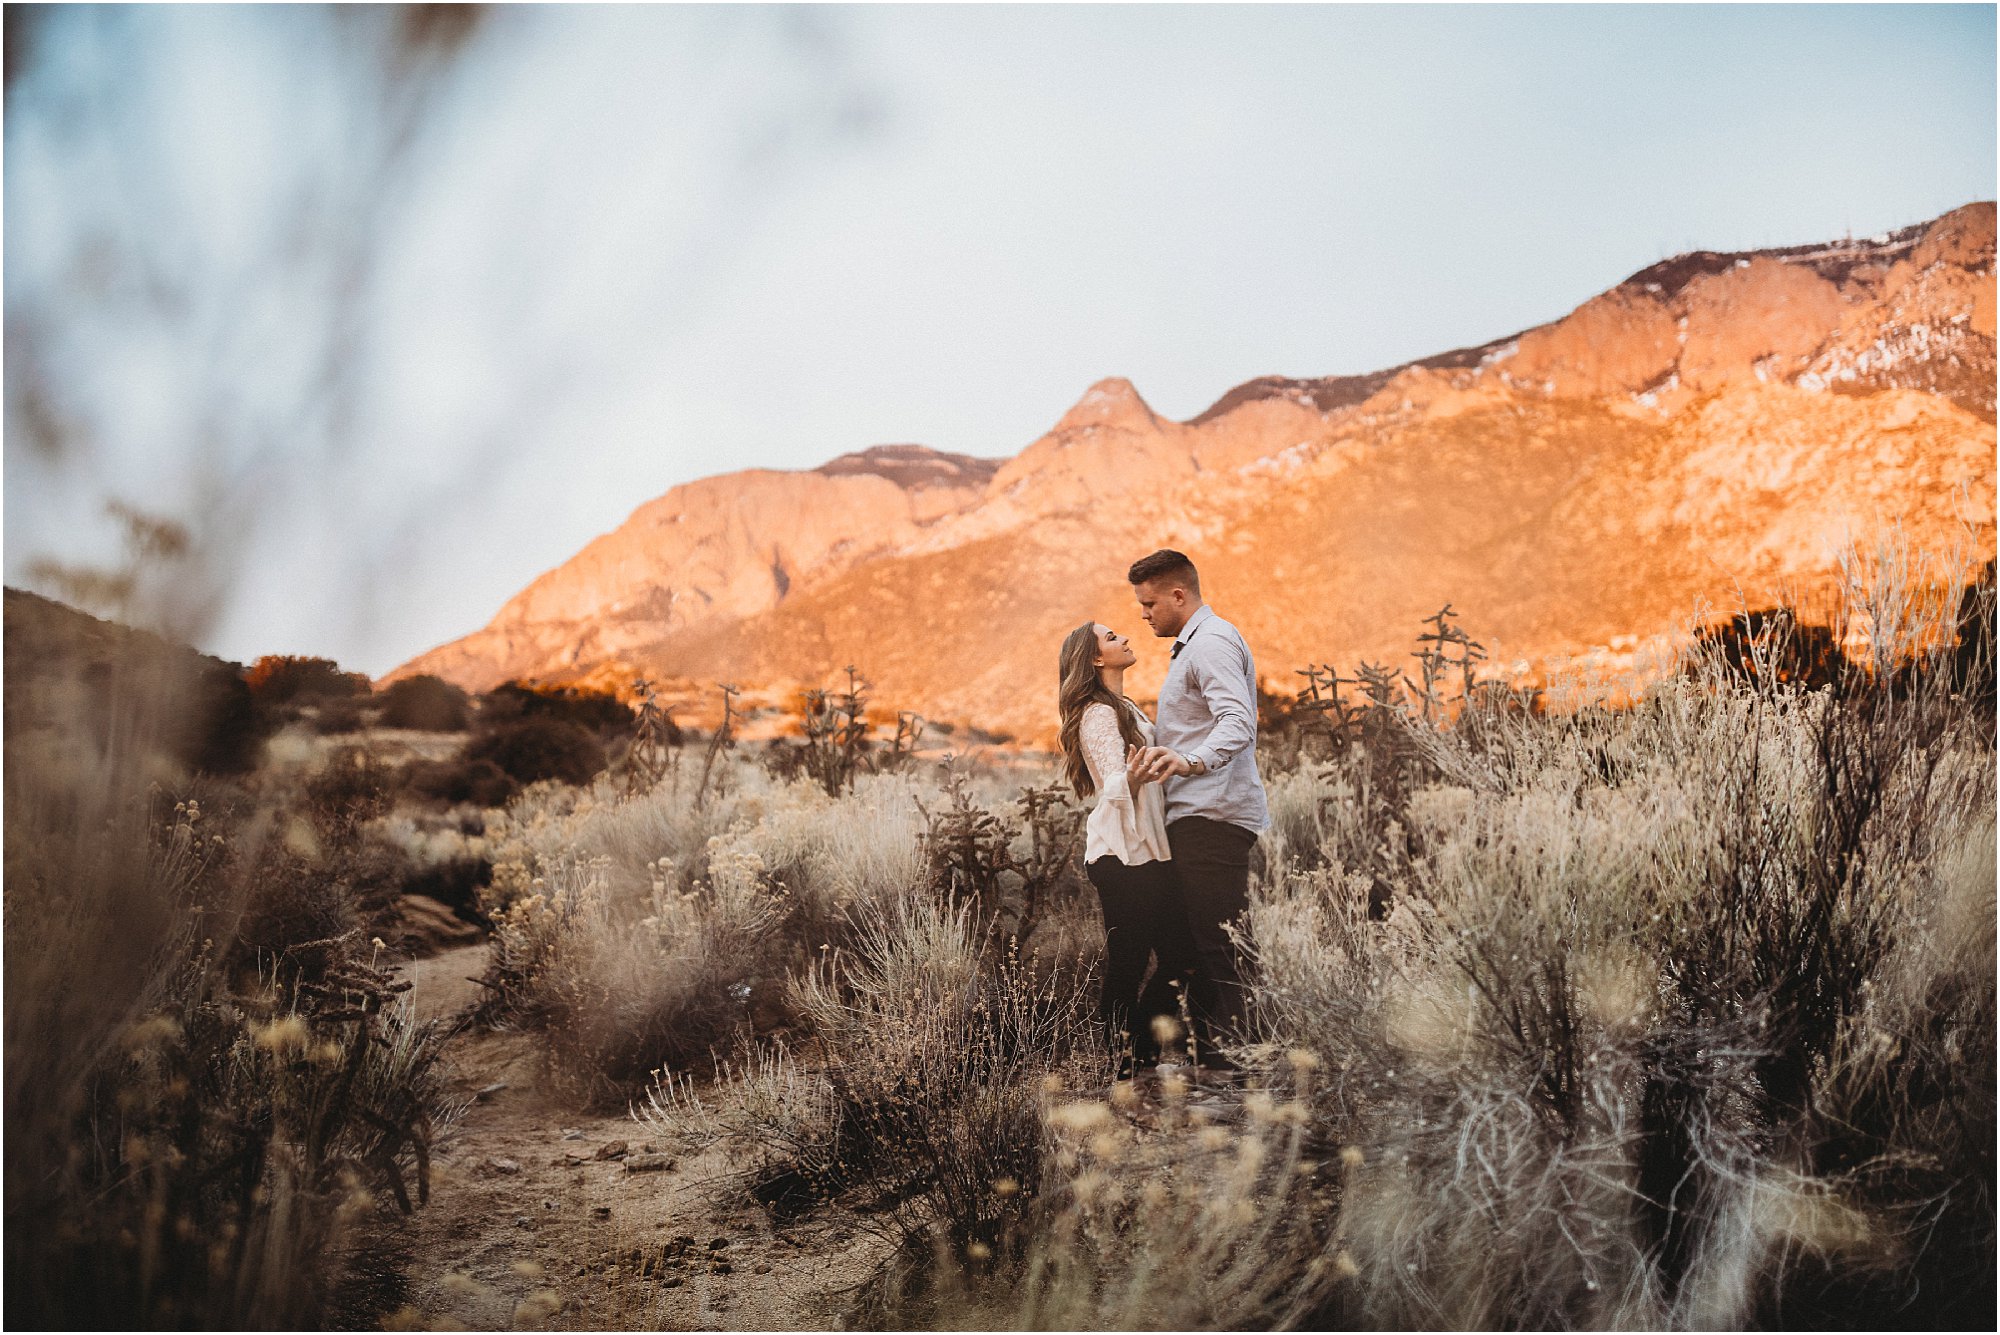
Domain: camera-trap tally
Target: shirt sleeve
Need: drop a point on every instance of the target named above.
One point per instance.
(1222, 677)
(1104, 752)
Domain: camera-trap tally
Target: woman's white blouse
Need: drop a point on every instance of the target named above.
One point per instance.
(1120, 827)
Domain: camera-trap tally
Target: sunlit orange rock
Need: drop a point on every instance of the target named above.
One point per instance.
(1711, 431)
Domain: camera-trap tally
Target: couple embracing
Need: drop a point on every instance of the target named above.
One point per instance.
(1179, 808)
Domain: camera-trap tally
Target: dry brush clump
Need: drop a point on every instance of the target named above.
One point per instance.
(662, 929)
(939, 1050)
(202, 1127)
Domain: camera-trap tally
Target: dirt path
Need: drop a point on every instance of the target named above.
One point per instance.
(529, 1227)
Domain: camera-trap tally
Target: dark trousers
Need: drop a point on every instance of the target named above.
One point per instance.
(1144, 920)
(1212, 864)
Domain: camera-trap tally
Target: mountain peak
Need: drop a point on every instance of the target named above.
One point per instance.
(1111, 402)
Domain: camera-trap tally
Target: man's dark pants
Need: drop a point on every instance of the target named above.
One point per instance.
(1212, 864)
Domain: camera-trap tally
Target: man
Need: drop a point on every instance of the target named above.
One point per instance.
(1206, 751)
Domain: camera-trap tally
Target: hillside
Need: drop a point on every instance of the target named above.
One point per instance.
(1711, 429)
(73, 679)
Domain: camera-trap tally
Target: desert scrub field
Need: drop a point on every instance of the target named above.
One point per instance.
(1678, 1013)
(1674, 1014)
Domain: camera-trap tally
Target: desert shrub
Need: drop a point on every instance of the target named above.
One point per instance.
(324, 879)
(426, 704)
(702, 912)
(282, 679)
(1972, 659)
(538, 747)
(943, 1051)
(597, 712)
(343, 714)
(1773, 642)
(195, 711)
(480, 783)
(619, 995)
(224, 730)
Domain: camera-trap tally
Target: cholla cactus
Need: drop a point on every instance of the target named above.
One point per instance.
(724, 735)
(655, 742)
(970, 852)
(835, 724)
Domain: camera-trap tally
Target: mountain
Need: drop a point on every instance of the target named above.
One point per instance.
(1711, 429)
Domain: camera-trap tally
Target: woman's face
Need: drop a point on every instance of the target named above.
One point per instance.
(1113, 649)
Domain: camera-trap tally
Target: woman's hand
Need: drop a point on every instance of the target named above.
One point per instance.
(1138, 767)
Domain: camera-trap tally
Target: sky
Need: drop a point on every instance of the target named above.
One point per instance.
(394, 326)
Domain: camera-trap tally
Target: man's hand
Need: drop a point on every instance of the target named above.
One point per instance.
(1161, 763)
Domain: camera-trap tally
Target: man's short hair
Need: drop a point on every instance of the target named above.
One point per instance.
(1165, 564)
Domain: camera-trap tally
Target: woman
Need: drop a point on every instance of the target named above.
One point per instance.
(1104, 740)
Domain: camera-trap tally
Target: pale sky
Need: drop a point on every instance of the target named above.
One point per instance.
(626, 247)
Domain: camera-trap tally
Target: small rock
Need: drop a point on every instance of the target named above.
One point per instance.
(548, 1204)
(572, 1133)
(614, 1149)
(720, 1268)
(647, 1163)
(489, 1091)
(506, 1166)
(717, 1244)
(671, 1282)
(600, 1211)
(763, 1267)
(522, 1221)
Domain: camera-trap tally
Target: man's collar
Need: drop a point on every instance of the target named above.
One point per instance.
(1201, 614)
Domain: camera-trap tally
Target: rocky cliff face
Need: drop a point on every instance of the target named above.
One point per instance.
(1714, 427)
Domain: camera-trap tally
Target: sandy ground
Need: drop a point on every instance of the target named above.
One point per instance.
(528, 1228)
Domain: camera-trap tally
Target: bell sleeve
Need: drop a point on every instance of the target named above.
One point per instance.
(1104, 753)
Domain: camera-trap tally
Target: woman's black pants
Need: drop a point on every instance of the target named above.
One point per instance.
(1144, 920)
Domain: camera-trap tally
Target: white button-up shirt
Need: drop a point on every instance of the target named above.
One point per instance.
(1208, 712)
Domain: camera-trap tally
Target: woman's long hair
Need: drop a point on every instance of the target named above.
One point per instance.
(1081, 686)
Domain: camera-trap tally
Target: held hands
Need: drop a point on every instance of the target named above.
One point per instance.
(1151, 764)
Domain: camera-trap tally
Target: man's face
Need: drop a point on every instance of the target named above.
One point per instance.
(1164, 606)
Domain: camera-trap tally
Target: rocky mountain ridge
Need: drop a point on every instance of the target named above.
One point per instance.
(1713, 427)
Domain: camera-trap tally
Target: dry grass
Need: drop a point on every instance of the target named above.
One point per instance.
(211, 1089)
